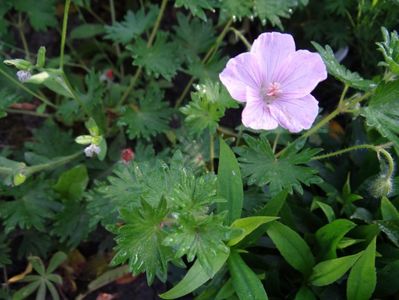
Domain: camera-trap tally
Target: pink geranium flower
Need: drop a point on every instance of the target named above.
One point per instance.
(275, 81)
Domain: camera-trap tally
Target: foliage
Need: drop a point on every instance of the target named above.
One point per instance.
(201, 203)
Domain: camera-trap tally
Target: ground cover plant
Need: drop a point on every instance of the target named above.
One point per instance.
(189, 149)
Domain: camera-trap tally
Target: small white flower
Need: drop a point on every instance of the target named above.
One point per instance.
(24, 75)
(91, 150)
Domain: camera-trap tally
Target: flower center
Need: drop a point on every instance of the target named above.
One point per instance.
(271, 92)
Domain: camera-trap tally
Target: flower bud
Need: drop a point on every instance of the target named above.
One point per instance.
(381, 187)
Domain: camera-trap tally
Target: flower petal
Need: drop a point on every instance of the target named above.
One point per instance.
(241, 72)
(271, 49)
(300, 73)
(256, 114)
(295, 114)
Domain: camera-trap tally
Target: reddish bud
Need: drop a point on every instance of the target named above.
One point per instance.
(109, 74)
(127, 155)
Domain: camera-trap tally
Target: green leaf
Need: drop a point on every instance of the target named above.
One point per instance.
(248, 225)
(4, 251)
(390, 49)
(239, 9)
(340, 72)
(329, 236)
(159, 59)
(260, 166)
(56, 260)
(149, 118)
(41, 13)
(86, 31)
(195, 277)
(292, 247)
(72, 223)
(246, 283)
(387, 283)
(197, 7)
(84, 139)
(199, 238)
(305, 293)
(391, 229)
(388, 210)
(20, 64)
(133, 25)
(362, 278)
(27, 290)
(139, 241)
(193, 36)
(53, 80)
(229, 183)
(274, 10)
(206, 108)
(33, 205)
(382, 112)
(327, 209)
(227, 291)
(72, 183)
(7, 98)
(331, 270)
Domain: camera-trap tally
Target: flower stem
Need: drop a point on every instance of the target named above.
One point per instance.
(241, 37)
(26, 89)
(22, 36)
(149, 44)
(380, 149)
(28, 112)
(27, 171)
(276, 142)
(208, 56)
(64, 31)
(211, 151)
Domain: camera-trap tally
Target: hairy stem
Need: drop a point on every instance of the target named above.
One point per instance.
(28, 112)
(380, 149)
(64, 31)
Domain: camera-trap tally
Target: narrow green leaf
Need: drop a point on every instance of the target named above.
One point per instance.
(305, 293)
(52, 290)
(86, 31)
(108, 277)
(331, 270)
(274, 205)
(248, 225)
(246, 283)
(41, 57)
(226, 291)
(56, 260)
(229, 183)
(329, 236)
(327, 210)
(362, 278)
(388, 210)
(195, 277)
(26, 291)
(41, 292)
(292, 247)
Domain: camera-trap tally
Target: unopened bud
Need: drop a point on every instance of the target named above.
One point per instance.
(127, 155)
(381, 187)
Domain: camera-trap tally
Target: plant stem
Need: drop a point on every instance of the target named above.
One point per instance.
(22, 36)
(241, 37)
(27, 171)
(227, 131)
(26, 89)
(117, 48)
(28, 112)
(208, 56)
(52, 164)
(275, 142)
(211, 151)
(380, 149)
(64, 31)
(149, 44)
